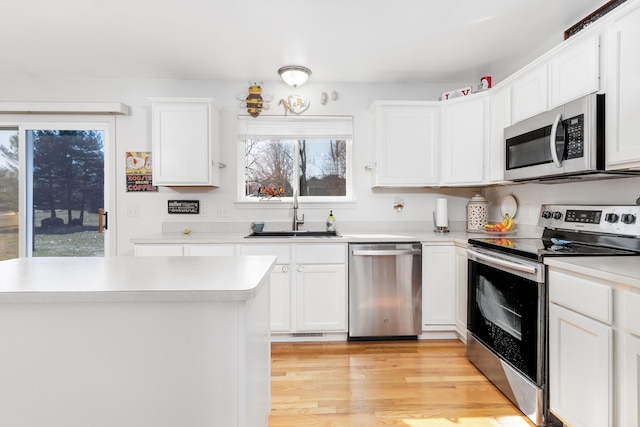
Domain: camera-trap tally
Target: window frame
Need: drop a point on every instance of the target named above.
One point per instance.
(295, 128)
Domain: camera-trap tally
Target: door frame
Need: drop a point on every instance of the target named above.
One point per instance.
(105, 123)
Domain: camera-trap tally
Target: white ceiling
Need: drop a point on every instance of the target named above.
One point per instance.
(395, 41)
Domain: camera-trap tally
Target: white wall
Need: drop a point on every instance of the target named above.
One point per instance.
(530, 196)
(133, 134)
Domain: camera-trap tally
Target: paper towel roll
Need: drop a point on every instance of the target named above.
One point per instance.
(442, 216)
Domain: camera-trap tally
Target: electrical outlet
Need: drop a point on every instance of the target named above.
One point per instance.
(133, 211)
(223, 212)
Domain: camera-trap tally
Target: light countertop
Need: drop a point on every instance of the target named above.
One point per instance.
(624, 270)
(457, 237)
(133, 278)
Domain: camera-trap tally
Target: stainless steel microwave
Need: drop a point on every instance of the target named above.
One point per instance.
(566, 141)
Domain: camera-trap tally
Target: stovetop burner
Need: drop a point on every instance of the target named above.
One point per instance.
(572, 230)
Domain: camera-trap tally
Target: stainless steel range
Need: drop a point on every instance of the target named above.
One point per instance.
(507, 295)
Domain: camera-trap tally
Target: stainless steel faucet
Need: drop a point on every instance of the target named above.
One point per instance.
(296, 221)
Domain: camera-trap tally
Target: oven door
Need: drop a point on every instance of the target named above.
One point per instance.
(506, 309)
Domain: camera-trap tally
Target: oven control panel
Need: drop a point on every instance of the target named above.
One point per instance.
(611, 219)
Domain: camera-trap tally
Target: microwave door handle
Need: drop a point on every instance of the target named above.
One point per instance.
(552, 141)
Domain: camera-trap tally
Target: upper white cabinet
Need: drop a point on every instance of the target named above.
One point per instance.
(574, 71)
(529, 93)
(406, 143)
(185, 142)
(499, 118)
(623, 92)
(464, 133)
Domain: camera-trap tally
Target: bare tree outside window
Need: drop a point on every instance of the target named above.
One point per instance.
(311, 167)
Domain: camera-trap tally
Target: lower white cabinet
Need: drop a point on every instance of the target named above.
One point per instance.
(629, 372)
(321, 298)
(580, 368)
(438, 285)
(321, 290)
(444, 288)
(580, 349)
(183, 250)
(461, 292)
(280, 283)
(308, 286)
(158, 250)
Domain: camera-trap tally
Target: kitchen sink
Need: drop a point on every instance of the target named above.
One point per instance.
(299, 233)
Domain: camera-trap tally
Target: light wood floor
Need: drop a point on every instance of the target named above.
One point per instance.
(394, 383)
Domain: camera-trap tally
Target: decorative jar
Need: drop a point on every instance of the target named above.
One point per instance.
(477, 213)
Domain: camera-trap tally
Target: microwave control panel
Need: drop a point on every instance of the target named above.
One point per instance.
(574, 129)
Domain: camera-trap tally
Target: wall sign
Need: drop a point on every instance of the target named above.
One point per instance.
(138, 172)
(184, 207)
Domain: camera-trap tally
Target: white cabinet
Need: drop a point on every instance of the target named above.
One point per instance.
(209, 250)
(623, 93)
(574, 70)
(461, 292)
(158, 250)
(406, 143)
(172, 249)
(308, 286)
(580, 350)
(185, 142)
(438, 287)
(499, 118)
(464, 134)
(629, 373)
(529, 93)
(321, 288)
(280, 283)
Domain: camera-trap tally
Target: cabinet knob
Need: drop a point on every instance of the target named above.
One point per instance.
(285, 268)
(300, 268)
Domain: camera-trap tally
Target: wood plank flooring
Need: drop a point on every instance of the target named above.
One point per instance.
(422, 383)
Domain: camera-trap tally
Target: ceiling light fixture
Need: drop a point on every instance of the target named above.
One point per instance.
(294, 75)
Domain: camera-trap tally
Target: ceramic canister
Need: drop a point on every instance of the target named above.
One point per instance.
(477, 213)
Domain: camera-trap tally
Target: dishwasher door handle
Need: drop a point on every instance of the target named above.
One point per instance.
(385, 252)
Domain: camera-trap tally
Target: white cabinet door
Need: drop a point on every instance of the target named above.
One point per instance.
(464, 132)
(461, 292)
(280, 298)
(580, 369)
(529, 94)
(184, 142)
(406, 144)
(438, 285)
(280, 277)
(499, 118)
(209, 250)
(158, 250)
(623, 93)
(321, 298)
(574, 71)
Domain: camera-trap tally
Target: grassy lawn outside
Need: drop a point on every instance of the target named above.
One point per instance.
(53, 241)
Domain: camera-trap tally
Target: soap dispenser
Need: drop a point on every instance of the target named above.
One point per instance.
(331, 222)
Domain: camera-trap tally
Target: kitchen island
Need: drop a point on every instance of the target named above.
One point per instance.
(123, 341)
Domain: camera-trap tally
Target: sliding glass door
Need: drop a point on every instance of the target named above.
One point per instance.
(58, 172)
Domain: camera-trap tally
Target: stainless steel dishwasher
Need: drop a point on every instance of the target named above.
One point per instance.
(385, 291)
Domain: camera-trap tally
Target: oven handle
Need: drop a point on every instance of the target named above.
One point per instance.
(504, 263)
(552, 141)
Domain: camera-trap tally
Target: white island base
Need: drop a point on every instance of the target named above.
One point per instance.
(165, 353)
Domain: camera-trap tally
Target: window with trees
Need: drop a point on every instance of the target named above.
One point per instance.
(306, 156)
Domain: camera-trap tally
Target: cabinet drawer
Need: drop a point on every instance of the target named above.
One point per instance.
(631, 312)
(158, 250)
(209, 250)
(281, 252)
(321, 254)
(582, 294)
